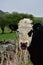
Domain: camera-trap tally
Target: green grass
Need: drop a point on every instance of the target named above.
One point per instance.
(7, 35)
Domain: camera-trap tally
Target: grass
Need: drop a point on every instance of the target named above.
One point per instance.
(7, 35)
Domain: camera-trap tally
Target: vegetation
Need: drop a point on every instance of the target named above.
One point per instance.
(7, 35)
(14, 17)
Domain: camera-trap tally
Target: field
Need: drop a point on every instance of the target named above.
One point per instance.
(7, 35)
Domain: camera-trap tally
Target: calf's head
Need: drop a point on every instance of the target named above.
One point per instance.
(24, 30)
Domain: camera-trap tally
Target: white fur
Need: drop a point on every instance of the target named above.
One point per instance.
(24, 26)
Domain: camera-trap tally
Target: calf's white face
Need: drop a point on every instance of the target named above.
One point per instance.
(24, 27)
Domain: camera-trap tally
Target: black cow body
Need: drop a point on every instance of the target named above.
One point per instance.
(36, 47)
(13, 27)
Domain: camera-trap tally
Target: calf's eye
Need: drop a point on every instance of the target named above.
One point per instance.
(30, 33)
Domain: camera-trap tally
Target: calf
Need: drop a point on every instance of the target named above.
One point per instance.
(24, 26)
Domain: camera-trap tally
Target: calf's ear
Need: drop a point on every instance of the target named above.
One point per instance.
(13, 27)
(16, 27)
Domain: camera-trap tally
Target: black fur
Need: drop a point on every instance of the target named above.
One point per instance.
(13, 27)
(36, 47)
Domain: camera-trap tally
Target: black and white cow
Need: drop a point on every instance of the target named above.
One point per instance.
(31, 38)
(36, 46)
(24, 26)
(32, 35)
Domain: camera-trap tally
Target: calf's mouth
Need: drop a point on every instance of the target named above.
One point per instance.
(23, 45)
